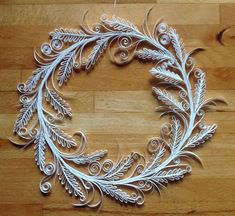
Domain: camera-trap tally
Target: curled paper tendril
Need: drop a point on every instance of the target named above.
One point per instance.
(131, 176)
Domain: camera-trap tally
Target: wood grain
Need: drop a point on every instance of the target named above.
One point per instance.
(202, 35)
(115, 107)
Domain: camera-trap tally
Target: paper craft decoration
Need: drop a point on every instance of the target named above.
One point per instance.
(128, 178)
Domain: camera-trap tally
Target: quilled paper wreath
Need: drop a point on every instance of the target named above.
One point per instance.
(130, 176)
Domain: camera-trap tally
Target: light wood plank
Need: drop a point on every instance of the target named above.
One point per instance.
(222, 144)
(193, 35)
(135, 76)
(22, 209)
(214, 57)
(144, 101)
(9, 79)
(120, 123)
(227, 14)
(32, 2)
(82, 101)
(44, 14)
(194, 1)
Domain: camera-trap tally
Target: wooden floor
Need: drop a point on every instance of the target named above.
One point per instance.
(114, 106)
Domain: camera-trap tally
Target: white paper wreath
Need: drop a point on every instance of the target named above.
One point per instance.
(131, 176)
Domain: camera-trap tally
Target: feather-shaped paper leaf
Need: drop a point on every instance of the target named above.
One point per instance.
(170, 175)
(155, 159)
(175, 134)
(120, 24)
(121, 167)
(33, 80)
(40, 146)
(202, 136)
(118, 194)
(166, 75)
(177, 44)
(96, 52)
(57, 102)
(25, 115)
(168, 99)
(60, 136)
(69, 35)
(90, 158)
(199, 92)
(70, 183)
(66, 68)
(146, 53)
